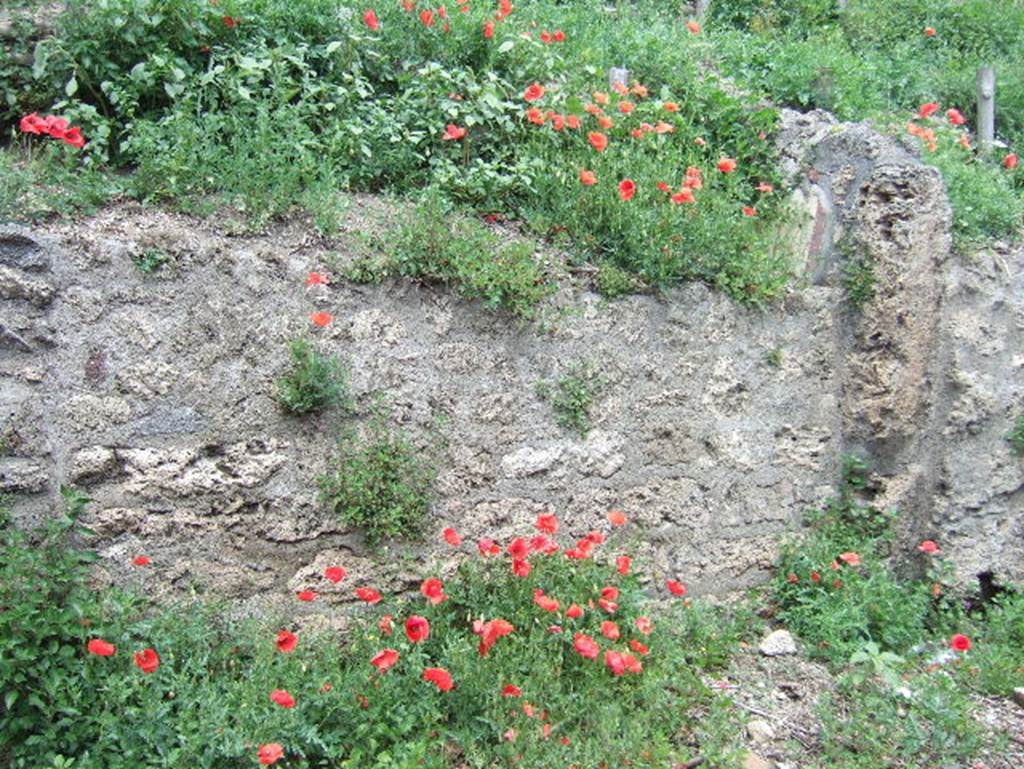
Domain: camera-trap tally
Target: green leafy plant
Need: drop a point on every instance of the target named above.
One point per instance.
(314, 383)
(151, 261)
(774, 357)
(572, 396)
(381, 482)
(860, 281)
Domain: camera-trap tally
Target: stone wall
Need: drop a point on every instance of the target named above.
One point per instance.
(154, 393)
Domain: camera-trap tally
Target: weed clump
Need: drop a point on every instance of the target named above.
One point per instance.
(572, 397)
(380, 483)
(314, 383)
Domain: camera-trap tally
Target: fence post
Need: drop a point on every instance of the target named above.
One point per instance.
(618, 75)
(986, 109)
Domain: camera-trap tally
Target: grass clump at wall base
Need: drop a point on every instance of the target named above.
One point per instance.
(380, 482)
(314, 383)
(436, 244)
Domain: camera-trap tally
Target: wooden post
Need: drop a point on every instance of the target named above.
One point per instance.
(986, 109)
(618, 75)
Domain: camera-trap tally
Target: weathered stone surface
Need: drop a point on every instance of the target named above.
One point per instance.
(15, 284)
(22, 476)
(718, 428)
(777, 643)
(530, 461)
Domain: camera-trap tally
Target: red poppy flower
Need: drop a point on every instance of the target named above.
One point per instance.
(442, 12)
(427, 17)
(73, 136)
(545, 602)
(586, 646)
(385, 660)
(588, 178)
(142, 560)
(851, 558)
(559, 36)
(610, 630)
(639, 648)
(610, 593)
(955, 117)
(605, 122)
(1011, 161)
(271, 753)
(617, 518)
(928, 109)
(623, 564)
(960, 643)
(529, 710)
(488, 547)
(519, 548)
(439, 676)
(573, 121)
(282, 698)
(929, 31)
(547, 523)
(726, 165)
(433, 589)
(543, 544)
(574, 612)
(417, 628)
(644, 625)
(521, 568)
(308, 595)
(596, 537)
(837, 584)
(328, 686)
(386, 624)
(369, 594)
(639, 90)
(453, 133)
(620, 88)
(693, 26)
(490, 632)
(33, 124)
(101, 648)
(534, 92)
(633, 665)
(409, 5)
(511, 690)
(316, 279)
(626, 107)
(335, 573)
(598, 140)
(371, 20)
(452, 537)
(929, 547)
(792, 579)
(664, 187)
(815, 577)
(535, 116)
(616, 661)
(684, 196)
(286, 641)
(749, 211)
(545, 37)
(676, 588)
(147, 660)
(489, 30)
(694, 178)
(321, 319)
(670, 106)
(765, 187)
(231, 22)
